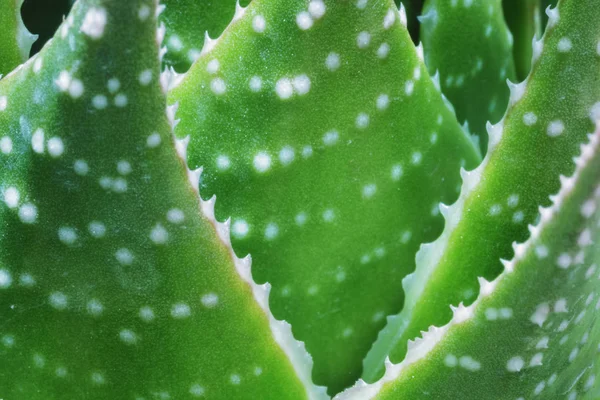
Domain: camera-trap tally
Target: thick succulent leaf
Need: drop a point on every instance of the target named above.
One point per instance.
(329, 146)
(534, 143)
(470, 46)
(534, 332)
(15, 39)
(187, 22)
(524, 19)
(113, 285)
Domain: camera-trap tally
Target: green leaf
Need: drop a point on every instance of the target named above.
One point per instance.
(524, 19)
(15, 40)
(188, 21)
(551, 113)
(329, 146)
(113, 283)
(470, 45)
(534, 331)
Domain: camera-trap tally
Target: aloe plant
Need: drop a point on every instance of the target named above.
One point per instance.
(258, 212)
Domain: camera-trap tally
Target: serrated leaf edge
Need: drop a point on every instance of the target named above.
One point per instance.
(420, 347)
(430, 254)
(24, 38)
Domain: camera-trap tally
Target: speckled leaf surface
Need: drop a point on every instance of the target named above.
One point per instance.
(550, 115)
(188, 21)
(534, 332)
(113, 285)
(470, 45)
(524, 19)
(15, 40)
(327, 143)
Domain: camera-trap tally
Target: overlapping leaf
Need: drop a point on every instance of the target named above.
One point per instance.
(327, 143)
(470, 46)
(15, 40)
(113, 285)
(188, 22)
(534, 331)
(533, 144)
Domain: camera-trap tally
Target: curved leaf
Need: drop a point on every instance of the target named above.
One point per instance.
(112, 283)
(329, 146)
(534, 331)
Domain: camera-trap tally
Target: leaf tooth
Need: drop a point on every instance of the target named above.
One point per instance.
(448, 104)
(537, 47)
(465, 128)
(461, 313)
(162, 52)
(444, 210)
(470, 179)
(299, 356)
(420, 54)
(223, 231)
(517, 90)
(435, 78)
(587, 150)
(409, 279)
(419, 348)
(209, 44)
(404, 19)
(494, 133)
(486, 287)
(171, 112)
(429, 18)
(388, 363)
(545, 213)
(170, 79)
(208, 207)
(508, 265)
(160, 34)
(181, 146)
(194, 177)
(160, 9)
(24, 38)
(553, 16)
(533, 231)
(519, 250)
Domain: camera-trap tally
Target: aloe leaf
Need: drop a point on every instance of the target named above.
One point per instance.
(115, 280)
(533, 332)
(15, 39)
(470, 45)
(534, 143)
(329, 146)
(524, 19)
(188, 22)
